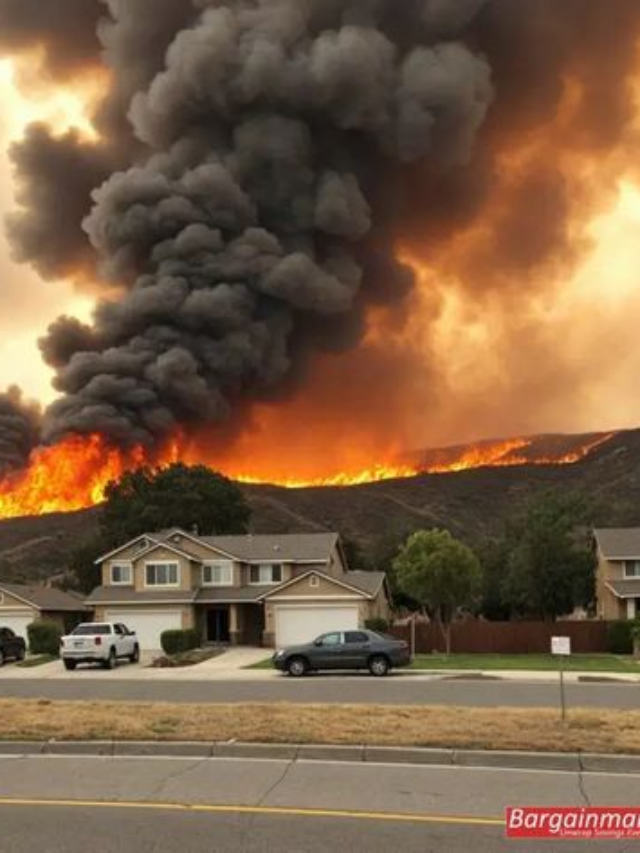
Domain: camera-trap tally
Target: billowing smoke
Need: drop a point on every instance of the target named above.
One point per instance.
(243, 231)
(19, 430)
(260, 161)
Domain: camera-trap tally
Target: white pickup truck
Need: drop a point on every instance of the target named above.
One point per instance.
(99, 642)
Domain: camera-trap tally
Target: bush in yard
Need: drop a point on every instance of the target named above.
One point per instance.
(44, 637)
(175, 641)
(635, 637)
(377, 623)
(619, 639)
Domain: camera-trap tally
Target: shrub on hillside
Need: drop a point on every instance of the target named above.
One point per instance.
(619, 638)
(175, 641)
(44, 637)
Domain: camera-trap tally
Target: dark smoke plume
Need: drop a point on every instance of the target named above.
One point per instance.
(258, 162)
(19, 430)
(268, 129)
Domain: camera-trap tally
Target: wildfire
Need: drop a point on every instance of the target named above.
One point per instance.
(74, 474)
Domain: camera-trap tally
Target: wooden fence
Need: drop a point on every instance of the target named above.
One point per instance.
(477, 636)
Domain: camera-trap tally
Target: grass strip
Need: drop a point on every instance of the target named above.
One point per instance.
(538, 729)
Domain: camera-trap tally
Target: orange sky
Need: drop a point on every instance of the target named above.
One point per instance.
(593, 317)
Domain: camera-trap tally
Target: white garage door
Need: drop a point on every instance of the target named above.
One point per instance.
(17, 622)
(300, 624)
(148, 624)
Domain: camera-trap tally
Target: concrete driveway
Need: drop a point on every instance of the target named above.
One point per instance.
(228, 666)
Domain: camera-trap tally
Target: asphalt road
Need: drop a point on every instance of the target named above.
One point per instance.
(63, 805)
(331, 689)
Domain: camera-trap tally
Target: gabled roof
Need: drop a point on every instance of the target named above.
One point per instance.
(248, 548)
(285, 547)
(44, 597)
(347, 582)
(625, 589)
(619, 543)
(367, 581)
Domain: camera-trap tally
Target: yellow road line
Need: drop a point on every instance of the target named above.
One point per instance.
(276, 811)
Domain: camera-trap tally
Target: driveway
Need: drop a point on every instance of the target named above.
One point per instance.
(227, 666)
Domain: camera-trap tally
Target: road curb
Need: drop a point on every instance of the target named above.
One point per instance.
(570, 762)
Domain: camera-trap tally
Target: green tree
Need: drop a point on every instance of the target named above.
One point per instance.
(441, 574)
(549, 564)
(493, 558)
(85, 576)
(147, 500)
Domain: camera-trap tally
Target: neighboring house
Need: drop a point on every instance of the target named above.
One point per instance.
(253, 589)
(20, 605)
(618, 573)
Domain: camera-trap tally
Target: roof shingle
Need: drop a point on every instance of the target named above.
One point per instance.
(45, 597)
(619, 543)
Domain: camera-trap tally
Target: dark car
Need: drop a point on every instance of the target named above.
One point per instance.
(11, 646)
(344, 650)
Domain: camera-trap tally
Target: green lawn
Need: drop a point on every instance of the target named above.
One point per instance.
(574, 663)
(540, 663)
(263, 664)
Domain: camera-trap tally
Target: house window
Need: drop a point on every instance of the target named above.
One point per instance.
(314, 581)
(269, 573)
(217, 574)
(162, 574)
(121, 574)
(632, 569)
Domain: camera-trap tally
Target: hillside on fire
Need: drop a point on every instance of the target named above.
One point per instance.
(374, 517)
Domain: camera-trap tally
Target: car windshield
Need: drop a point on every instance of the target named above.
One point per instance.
(86, 630)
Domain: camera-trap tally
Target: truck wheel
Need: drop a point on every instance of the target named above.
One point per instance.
(112, 661)
(135, 657)
(70, 664)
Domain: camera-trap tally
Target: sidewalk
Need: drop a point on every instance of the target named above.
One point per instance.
(233, 665)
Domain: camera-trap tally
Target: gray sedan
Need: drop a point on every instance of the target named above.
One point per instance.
(344, 650)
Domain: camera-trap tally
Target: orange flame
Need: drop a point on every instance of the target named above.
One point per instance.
(74, 474)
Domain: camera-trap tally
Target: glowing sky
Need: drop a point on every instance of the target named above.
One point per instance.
(594, 314)
(27, 304)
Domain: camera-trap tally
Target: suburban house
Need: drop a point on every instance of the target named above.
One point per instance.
(251, 590)
(20, 605)
(618, 573)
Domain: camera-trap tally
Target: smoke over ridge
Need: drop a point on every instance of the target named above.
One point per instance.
(258, 164)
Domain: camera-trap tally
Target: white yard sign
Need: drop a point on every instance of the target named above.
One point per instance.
(561, 645)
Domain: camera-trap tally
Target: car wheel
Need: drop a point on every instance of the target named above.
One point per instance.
(297, 667)
(112, 661)
(135, 657)
(69, 664)
(1, 658)
(379, 666)
(20, 655)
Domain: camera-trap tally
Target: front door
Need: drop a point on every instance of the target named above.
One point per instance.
(218, 625)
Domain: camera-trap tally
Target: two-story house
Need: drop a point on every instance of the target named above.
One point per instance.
(618, 573)
(253, 589)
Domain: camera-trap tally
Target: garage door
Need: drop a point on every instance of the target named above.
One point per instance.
(299, 624)
(148, 624)
(17, 622)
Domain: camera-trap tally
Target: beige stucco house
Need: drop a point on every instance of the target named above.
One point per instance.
(253, 589)
(20, 605)
(618, 573)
